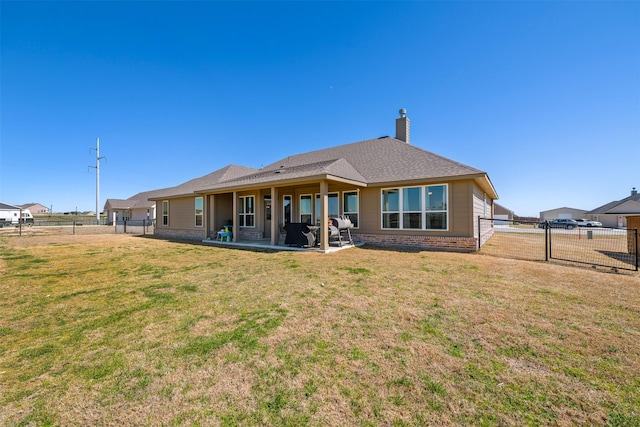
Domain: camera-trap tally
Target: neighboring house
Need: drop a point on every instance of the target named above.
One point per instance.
(614, 214)
(503, 215)
(394, 193)
(501, 212)
(135, 208)
(562, 213)
(36, 208)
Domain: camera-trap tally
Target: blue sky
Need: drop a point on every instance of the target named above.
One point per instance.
(544, 96)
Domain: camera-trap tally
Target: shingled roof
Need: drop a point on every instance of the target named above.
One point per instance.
(377, 161)
(383, 160)
(605, 209)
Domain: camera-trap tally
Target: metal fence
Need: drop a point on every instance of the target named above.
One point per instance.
(536, 241)
(73, 227)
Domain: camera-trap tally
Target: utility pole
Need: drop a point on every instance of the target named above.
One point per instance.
(97, 168)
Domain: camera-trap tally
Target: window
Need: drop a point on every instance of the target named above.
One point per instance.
(415, 208)
(334, 206)
(436, 207)
(412, 207)
(126, 215)
(306, 210)
(286, 210)
(165, 212)
(484, 195)
(199, 211)
(247, 211)
(391, 208)
(350, 206)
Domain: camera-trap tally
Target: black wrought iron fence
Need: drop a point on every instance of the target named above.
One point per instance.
(537, 241)
(509, 239)
(143, 226)
(72, 227)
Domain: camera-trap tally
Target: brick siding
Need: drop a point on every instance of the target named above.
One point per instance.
(463, 244)
(250, 235)
(180, 233)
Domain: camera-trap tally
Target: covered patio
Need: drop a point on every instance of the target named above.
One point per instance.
(266, 244)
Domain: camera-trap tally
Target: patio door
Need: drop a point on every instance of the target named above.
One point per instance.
(267, 218)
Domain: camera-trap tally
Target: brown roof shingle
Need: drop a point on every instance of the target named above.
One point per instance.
(370, 162)
(382, 160)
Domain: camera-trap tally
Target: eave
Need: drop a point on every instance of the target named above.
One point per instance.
(314, 179)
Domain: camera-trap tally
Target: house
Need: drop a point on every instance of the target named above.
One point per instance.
(502, 215)
(135, 208)
(613, 214)
(562, 213)
(36, 208)
(394, 193)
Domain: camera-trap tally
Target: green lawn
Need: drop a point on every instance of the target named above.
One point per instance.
(124, 330)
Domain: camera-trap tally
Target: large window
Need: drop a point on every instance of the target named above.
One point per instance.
(247, 211)
(165, 212)
(415, 208)
(334, 206)
(391, 208)
(351, 206)
(306, 209)
(412, 207)
(436, 207)
(286, 210)
(199, 208)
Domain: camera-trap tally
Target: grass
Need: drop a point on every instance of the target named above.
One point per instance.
(116, 329)
(607, 247)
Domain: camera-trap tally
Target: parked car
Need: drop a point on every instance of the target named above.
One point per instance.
(569, 224)
(588, 223)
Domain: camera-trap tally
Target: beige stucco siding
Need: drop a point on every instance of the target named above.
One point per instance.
(459, 221)
(181, 219)
(478, 207)
(465, 203)
(460, 214)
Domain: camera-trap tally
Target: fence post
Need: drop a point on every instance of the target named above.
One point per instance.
(125, 226)
(547, 241)
(636, 236)
(479, 234)
(74, 227)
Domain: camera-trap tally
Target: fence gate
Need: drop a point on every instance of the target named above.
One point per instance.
(538, 241)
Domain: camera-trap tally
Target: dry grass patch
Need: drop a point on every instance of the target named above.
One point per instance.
(122, 330)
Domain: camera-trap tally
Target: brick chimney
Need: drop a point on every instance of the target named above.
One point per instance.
(402, 126)
(634, 191)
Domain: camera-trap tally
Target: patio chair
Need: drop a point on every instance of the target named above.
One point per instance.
(283, 232)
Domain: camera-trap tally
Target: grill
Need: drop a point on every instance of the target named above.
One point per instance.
(305, 235)
(341, 227)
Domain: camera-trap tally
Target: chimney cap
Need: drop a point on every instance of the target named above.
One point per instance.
(403, 112)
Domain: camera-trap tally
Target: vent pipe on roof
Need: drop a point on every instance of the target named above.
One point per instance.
(402, 126)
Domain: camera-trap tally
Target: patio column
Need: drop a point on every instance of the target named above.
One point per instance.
(275, 215)
(234, 221)
(206, 223)
(324, 215)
